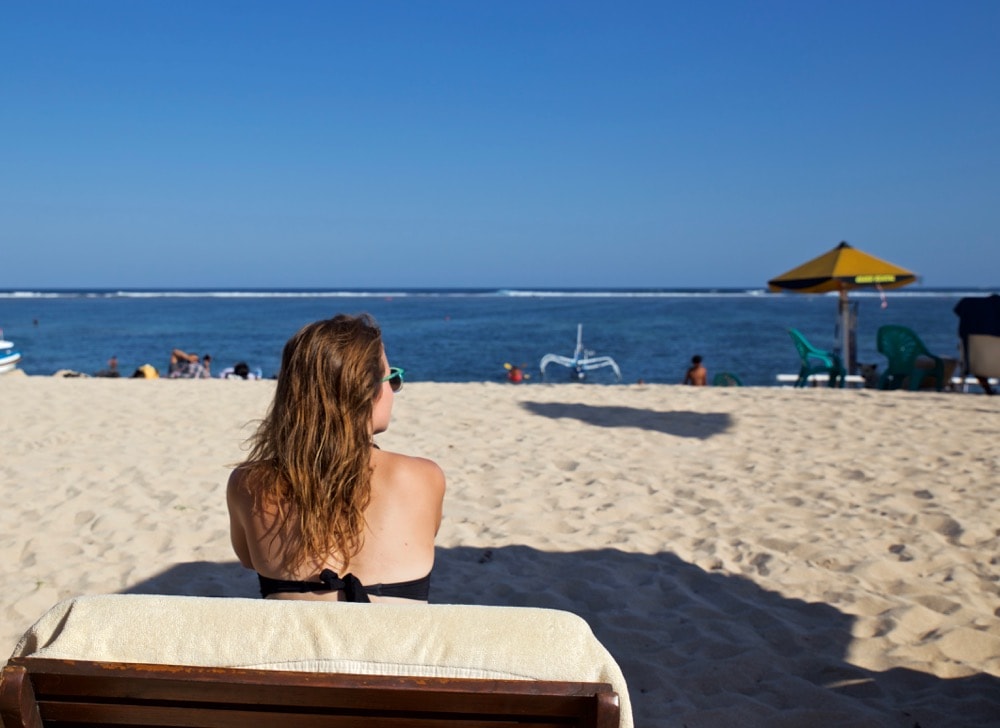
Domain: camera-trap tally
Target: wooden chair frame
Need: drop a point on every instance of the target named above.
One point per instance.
(37, 692)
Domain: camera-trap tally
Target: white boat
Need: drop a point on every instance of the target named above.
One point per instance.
(582, 361)
(9, 357)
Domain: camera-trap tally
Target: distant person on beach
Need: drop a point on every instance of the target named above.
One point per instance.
(241, 370)
(515, 374)
(696, 373)
(188, 366)
(112, 370)
(317, 509)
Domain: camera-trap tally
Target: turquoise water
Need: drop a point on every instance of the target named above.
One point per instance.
(462, 336)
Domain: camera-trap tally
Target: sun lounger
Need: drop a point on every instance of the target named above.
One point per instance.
(979, 330)
(166, 661)
(817, 379)
(988, 384)
(983, 362)
(857, 380)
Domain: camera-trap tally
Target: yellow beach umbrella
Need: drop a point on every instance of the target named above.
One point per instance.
(842, 269)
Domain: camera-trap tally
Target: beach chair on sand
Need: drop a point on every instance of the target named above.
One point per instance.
(198, 661)
(816, 361)
(979, 330)
(909, 360)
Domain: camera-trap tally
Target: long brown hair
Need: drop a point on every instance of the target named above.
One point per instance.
(310, 458)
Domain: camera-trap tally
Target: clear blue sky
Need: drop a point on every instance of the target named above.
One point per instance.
(419, 143)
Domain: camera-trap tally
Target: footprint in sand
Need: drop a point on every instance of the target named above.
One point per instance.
(900, 551)
(84, 517)
(759, 562)
(943, 525)
(938, 604)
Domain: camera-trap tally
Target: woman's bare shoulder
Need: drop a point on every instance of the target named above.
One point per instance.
(239, 478)
(245, 485)
(238, 487)
(414, 486)
(409, 469)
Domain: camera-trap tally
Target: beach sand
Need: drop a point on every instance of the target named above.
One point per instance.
(750, 556)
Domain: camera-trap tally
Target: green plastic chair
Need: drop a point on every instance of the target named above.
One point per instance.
(816, 361)
(902, 347)
(726, 379)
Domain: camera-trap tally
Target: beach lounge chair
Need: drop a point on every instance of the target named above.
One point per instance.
(201, 661)
(983, 359)
(979, 329)
(909, 360)
(816, 361)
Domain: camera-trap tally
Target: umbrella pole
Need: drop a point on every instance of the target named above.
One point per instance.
(845, 330)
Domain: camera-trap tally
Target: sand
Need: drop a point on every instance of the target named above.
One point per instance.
(750, 556)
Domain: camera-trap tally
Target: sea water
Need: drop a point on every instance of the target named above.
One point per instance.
(468, 335)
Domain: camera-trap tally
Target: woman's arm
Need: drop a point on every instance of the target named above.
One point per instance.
(436, 486)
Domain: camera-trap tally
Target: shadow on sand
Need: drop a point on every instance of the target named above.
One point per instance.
(701, 425)
(697, 648)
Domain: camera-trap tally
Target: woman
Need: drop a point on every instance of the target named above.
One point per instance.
(317, 509)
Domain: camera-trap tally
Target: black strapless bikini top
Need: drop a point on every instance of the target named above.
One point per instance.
(354, 590)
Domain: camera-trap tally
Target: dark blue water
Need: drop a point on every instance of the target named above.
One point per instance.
(462, 336)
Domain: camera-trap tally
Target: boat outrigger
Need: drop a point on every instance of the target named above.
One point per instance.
(9, 357)
(582, 361)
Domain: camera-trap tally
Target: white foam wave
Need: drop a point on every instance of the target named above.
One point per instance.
(552, 293)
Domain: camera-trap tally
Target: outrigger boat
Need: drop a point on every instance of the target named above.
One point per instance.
(582, 361)
(9, 357)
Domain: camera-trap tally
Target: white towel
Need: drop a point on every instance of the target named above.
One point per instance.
(437, 640)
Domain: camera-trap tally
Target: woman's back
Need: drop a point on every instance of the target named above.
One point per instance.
(401, 520)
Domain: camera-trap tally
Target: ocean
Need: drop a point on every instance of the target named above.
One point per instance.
(454, 335)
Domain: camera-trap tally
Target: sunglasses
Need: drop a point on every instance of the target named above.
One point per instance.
(395, 378)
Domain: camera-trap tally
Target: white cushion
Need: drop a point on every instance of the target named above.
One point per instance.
(437, 640)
